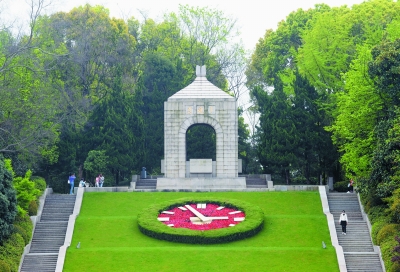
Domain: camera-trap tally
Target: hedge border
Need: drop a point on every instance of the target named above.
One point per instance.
(150, 226)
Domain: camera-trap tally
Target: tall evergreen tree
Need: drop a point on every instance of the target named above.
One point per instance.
(278, 138)
(8, 202)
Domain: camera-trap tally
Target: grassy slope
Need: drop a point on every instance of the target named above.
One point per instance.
(291, 240)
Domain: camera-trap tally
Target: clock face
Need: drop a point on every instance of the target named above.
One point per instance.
(201, 216)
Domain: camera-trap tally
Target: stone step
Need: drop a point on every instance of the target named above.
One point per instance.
(145, 184)
(368, 262)
(145, 187)
(256, 186)
(49, 233)
(357, 243)
(39, 262)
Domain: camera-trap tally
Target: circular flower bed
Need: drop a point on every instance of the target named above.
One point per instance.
(215, 224)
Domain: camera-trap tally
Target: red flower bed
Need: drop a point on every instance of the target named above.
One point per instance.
(181, 218)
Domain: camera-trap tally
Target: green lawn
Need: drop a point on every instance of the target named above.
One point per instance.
(291, 240)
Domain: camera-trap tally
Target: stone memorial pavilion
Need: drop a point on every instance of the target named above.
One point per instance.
(203, 103)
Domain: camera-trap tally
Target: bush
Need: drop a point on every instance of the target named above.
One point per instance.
(21, 231)
(40, 183)
(376, 227)
(377, 213)
(32, 208)
(387, 252)
(395, 267)
(4, 267)
(251, 226)
(26, 190)
(341, 186)
(12, 250)
(25, 223)
(387, 232)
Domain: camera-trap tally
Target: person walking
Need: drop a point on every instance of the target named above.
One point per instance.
(71, 181)
(343, 221)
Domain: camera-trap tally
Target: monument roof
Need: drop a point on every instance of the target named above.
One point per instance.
(201, 88)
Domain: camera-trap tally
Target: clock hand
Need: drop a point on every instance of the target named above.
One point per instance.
(195, 212)
(217, 217)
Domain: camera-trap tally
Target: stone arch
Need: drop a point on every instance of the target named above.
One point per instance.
(201, 120)
(200, 102)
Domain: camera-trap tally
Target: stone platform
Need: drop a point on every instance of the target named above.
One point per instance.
(199, 183)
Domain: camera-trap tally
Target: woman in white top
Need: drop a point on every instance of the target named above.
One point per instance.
(343, 221)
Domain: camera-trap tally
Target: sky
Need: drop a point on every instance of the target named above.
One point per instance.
(254, 17)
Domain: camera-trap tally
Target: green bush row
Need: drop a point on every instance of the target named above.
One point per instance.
(341, 186)
(150, 226)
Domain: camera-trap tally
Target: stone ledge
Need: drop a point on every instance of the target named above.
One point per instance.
(200, 183)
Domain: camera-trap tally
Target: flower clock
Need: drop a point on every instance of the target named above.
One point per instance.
(201, 220)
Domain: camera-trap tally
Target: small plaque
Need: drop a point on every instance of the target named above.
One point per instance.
(211, 109)
(200, 109)
(200, 165)
(189, 110)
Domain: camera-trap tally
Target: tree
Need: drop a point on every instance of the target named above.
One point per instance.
(385, 70)
(278, 139)
(96, 162)
(358, 110)
(28, 109)
(8, 202)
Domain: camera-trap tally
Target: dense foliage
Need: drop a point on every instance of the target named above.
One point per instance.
(326, 83)
(83, 92)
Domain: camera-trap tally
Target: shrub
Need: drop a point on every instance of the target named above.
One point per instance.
(377, 213)
(25, 223)
(20, 230)
(394, 206)
(341, 186)
(387, 232)
(12, 250)
(395, 267)
(4, 267)
(26, 190)
(376, 227)
(40, 183)
(149, 226)
(396, 258)
(32, 208)
(387, 252)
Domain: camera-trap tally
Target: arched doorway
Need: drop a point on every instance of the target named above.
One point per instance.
(201, 142)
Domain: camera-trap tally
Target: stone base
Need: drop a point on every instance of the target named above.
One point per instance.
(200, 183)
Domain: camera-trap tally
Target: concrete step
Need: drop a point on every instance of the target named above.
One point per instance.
(256, 186)
(366, 262)
(39, 262)
(357, 243)
(49, 233)
(146, 184)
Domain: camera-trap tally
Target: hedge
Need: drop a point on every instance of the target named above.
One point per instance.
(341, 186)
(150, 226)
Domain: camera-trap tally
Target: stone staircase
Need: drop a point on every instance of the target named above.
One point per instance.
(49, 233)
(255, 182)
(146, 184)
(357, 244)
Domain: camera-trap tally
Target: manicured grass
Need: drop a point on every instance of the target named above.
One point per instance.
(291, 240)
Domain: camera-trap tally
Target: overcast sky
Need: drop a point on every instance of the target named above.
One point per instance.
(254, 16)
